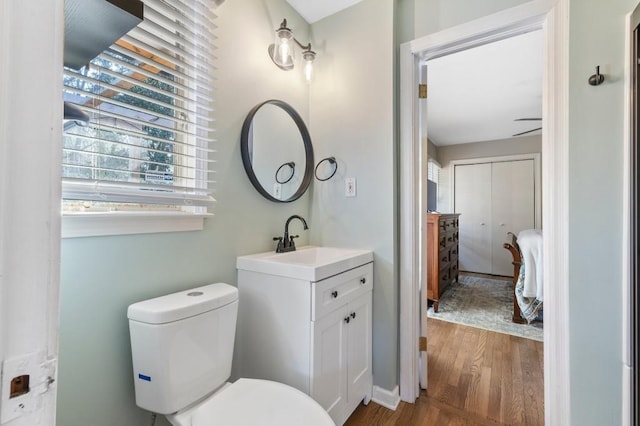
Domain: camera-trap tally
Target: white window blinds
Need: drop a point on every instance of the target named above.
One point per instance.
(150, 101)
(433, 171)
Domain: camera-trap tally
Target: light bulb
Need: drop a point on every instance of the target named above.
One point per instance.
(283, 51)
(308, 70)
(308, 56)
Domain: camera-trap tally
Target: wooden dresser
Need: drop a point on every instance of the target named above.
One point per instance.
(442, 254)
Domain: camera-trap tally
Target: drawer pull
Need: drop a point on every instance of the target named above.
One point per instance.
(363, 281)
(347, 319)
(353, 315)
(334, 294)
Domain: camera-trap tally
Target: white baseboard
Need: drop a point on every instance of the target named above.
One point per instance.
(386, 398)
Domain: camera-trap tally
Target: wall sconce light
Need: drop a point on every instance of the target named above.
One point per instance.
(281, 52)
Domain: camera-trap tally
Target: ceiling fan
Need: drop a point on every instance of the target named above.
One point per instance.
(528, 131)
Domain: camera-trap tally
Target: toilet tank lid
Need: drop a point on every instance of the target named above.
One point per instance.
(184, 304)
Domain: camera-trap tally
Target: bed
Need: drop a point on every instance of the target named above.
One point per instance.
(526, 250)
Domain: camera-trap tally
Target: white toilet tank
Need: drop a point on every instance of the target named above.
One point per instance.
(182, 346)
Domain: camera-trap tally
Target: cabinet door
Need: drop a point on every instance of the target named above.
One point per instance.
(473, 202)
(512, 208)
(328, 362)
(359, 346)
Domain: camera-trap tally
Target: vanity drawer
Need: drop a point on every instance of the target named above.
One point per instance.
(333, 292)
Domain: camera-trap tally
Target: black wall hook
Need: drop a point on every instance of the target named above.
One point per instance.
(596, 79)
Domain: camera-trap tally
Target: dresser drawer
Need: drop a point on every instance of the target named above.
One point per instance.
(453, 271)
(444, 279)
(444, 257)
(450, 224)
(450, 239)
(333, 292)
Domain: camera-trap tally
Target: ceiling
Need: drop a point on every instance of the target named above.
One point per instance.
(315, 10)
(475, 95)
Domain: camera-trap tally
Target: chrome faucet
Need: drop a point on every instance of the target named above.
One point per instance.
(286, 243)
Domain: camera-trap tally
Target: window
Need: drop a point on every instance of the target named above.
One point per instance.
(149, 97)
(433, 171)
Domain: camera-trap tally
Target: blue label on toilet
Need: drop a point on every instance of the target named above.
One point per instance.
(143, 377)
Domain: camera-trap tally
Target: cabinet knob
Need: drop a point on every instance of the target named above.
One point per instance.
(481, 223)
(347, 319)
(353, 315)
(334, 294)
(363, 280)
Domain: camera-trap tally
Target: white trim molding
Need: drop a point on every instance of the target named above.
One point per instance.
(388, 399)
(409, 206)
(555, 216)
(124, 223)
(552, 17)
(631, 22)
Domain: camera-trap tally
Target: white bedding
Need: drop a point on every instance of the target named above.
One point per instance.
(530, 242)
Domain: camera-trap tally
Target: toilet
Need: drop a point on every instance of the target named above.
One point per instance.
(182, 348)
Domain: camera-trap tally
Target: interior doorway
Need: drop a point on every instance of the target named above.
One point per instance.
(518, 20)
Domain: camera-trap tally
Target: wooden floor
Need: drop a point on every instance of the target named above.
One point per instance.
(476, 377)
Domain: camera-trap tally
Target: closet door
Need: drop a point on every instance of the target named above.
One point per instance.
(473, 202)
(512, 208)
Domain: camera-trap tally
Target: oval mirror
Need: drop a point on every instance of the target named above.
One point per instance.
(276, 151)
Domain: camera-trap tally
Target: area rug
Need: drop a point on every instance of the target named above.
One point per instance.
(484, 303)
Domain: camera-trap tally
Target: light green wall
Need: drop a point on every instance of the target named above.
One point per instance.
(596, 123)
(102, 276)
(351, 118)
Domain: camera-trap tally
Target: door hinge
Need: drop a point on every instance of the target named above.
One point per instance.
(422, 344)
(422, 91)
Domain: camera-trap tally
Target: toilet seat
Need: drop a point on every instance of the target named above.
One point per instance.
(254, 402)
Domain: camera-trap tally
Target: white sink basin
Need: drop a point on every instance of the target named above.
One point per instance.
(307, 263)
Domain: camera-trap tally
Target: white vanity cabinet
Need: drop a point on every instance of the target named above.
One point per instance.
(313, 335)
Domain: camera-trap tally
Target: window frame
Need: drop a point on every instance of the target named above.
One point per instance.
(148, 219)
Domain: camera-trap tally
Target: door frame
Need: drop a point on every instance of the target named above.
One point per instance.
(553, 17)
(630, 230)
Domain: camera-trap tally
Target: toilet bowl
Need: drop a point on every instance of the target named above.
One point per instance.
(182, 346)
(255, 402)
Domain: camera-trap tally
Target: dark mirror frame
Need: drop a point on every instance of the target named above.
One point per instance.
(308, 148)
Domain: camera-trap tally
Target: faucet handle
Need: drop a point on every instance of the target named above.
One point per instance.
(294, 236)
(279, 247)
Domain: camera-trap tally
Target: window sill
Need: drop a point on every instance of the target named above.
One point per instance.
(126, 223)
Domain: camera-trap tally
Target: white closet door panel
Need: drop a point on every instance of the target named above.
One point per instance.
(473, 201)
(513, 208)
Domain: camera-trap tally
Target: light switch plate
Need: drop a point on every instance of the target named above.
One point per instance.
(350, 187)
